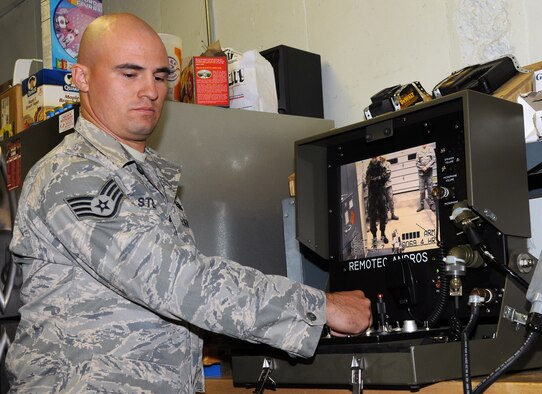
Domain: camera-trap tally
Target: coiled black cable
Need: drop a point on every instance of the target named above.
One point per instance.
(455, 328)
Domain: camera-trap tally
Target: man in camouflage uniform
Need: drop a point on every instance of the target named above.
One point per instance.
(376, 177)
(389, 189)
(114, 287)
(425, 159)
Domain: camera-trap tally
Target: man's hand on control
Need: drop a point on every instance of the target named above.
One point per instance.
(348, 312)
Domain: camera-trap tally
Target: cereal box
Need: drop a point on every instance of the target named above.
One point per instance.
(63, 24)
(47, 91)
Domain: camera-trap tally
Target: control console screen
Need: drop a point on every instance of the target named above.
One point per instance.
(368, 190)
(386, 204)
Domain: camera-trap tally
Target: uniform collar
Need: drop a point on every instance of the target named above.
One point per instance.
(103, 142)
(119, 156)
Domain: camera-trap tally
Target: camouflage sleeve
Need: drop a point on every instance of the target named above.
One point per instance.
(419, 164)
(432, 158)
(386, 173)
(147, 254)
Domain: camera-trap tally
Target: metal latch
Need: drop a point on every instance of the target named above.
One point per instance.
(514, 316)
(4, 341)
(6, 289)
(265, 376)
(357, 366)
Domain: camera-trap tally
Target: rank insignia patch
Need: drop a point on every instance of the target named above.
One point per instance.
(105, 205)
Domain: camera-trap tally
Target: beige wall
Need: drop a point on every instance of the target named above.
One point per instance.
(365, 45)
(20, 36)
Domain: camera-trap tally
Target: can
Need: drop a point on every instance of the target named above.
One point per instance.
(173, 46)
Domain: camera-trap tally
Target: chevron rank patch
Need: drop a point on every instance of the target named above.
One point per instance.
(104, 205)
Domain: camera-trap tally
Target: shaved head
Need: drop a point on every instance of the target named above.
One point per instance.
(113, 27)
(121, 73)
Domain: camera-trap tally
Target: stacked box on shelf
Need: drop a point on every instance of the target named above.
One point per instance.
(45, 92)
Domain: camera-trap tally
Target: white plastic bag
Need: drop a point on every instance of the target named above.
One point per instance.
(252, 81)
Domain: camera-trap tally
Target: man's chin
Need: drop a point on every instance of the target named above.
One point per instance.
(143, 129)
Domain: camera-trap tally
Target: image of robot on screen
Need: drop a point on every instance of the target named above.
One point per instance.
(386, 203)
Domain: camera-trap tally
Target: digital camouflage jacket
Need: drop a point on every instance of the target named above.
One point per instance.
(114, 284)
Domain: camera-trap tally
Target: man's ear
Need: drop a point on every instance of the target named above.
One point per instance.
(80, 77)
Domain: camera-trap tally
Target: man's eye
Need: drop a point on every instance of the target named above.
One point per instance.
(160, 78)
(128, 75)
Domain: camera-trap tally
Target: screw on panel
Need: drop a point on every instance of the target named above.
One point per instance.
(525, 263)
(490, 214)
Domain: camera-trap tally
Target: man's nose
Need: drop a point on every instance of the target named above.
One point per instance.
(149, 88)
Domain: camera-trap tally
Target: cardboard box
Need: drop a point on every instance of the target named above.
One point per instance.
(46, 91)
(11, 111)
(205, 81)
(62, 25)
(532, 115)
(519, 84)
(6, 85)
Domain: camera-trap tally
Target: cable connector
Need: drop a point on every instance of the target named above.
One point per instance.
(476, 300)
(534, 322)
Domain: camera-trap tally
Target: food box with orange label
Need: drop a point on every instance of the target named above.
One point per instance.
(205, 81)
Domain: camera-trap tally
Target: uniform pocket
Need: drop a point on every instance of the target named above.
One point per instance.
(109, 374)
